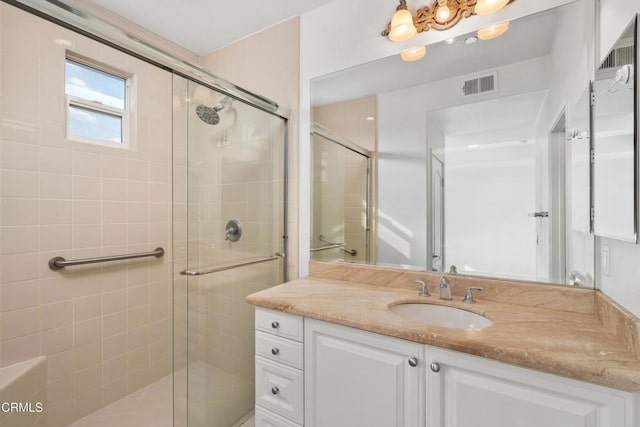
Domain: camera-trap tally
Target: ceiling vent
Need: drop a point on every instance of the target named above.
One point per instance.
(619, 56)
(480, 85)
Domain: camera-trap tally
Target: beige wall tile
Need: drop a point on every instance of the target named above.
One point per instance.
(20, 349)
(18, 323)
(56, 314)
(17, 240)
(57, 340)
(16, 155)
(16, 295)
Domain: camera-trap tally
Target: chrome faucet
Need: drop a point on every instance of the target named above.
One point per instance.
(425, 290)
(445, 288)
(468, 298)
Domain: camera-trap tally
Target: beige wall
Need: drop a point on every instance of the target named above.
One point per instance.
(268, 63)
(105, 329)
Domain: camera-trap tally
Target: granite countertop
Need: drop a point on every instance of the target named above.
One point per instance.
(574, 344)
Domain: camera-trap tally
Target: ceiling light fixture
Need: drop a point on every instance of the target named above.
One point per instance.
(487, 7)
(401, 27)
(493, 31)
(413, 54)
(440, 15)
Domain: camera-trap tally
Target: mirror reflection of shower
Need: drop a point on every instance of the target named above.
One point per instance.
(340, 198)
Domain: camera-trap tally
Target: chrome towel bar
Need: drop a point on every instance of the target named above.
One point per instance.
(224, 267)
(59, 262)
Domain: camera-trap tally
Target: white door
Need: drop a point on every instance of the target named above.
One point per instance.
(360, 379)
(470, 391)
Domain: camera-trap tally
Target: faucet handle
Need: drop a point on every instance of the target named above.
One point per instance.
(425, 290)
(444, 282)
(468, 298)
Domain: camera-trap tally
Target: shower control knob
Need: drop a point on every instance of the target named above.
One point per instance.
(413, 362)
(435, 367)
(275, 390)
(275, 325)
(275, 351)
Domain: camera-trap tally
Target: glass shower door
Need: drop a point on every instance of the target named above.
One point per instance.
(229, 226)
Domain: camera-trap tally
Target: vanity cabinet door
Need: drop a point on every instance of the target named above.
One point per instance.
(355, 378)
(470, 391)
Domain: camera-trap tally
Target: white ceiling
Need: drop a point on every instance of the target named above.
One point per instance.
(203, 26)
(528, 37)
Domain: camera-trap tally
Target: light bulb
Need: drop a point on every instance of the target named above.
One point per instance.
(487, 7)
(402, 27)
(493, 31)
(442, 14)
(413, 54)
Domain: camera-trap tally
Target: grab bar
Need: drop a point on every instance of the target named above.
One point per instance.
(56, 263)
(224, 267)
(325, 248)
(351, 252)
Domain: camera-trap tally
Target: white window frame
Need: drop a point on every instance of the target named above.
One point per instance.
(91, 105)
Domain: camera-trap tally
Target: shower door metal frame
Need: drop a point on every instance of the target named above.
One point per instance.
(325, 133)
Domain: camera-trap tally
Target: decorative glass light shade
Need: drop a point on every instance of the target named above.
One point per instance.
(413, 54)
(402, 27)
(442, 14)
(493, 31)
(487, 7)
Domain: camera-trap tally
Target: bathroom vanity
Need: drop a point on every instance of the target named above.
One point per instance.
(331, 353)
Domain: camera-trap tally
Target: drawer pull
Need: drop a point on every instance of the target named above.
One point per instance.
(275, 390)
(275, 325)
(435, 367)
(413, 362)
(275, 351)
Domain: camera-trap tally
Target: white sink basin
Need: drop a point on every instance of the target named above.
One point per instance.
(440, 315)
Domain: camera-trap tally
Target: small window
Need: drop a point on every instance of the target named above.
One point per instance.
(96, 104)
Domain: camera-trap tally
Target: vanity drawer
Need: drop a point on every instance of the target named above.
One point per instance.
(280, 350)
(266, 418)
(278, 323)
(280, 388)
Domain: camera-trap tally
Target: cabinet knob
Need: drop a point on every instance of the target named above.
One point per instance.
(275, 325)
(435, 367)
(275, 351)
(275, 390)
(413, 362)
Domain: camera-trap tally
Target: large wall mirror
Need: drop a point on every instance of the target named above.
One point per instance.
(479, 155)
(615, 167)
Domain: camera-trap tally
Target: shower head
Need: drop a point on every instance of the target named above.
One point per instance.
(210, 115)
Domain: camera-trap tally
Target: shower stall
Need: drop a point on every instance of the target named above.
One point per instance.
(229, 207)
(125, 262)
